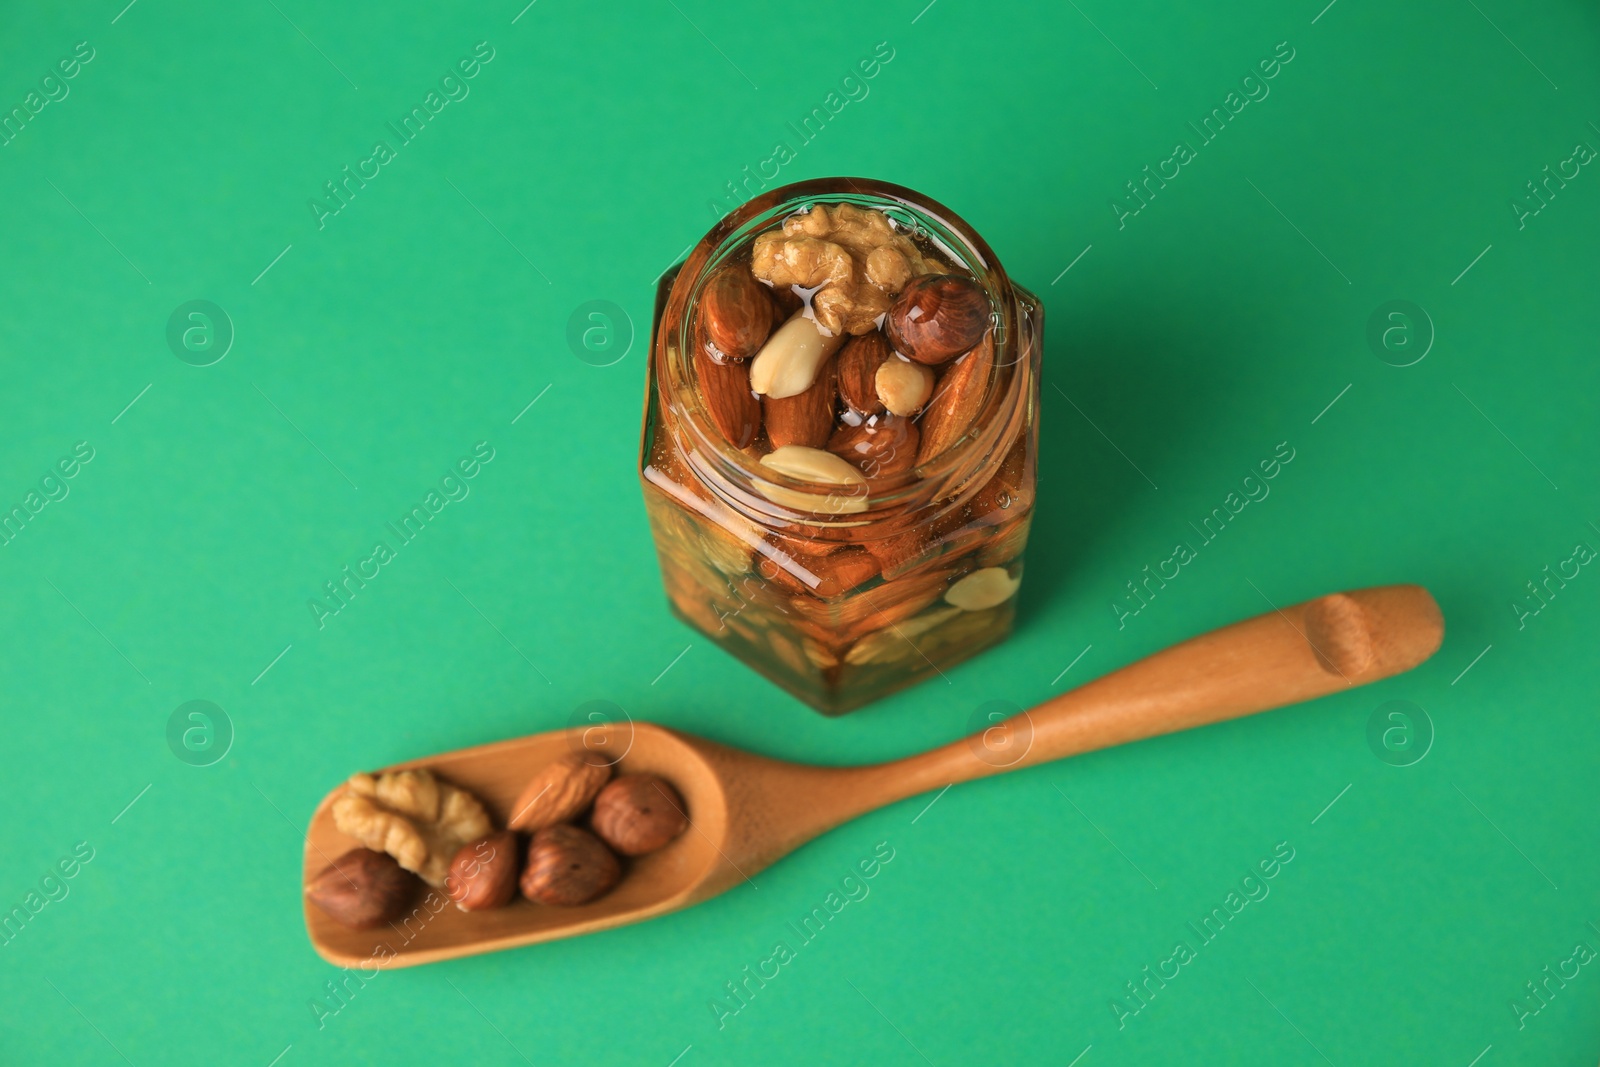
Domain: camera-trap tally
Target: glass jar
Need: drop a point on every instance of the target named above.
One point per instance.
(841, 589)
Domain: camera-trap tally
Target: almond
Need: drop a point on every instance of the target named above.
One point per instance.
(1010, 541)
(915, 548)
(735, 313)
(559, 792)
(957, 400)
(806, 546)
(777, 571)
(892, 603)
(725, 391)
(844, 571)
(882, 446)
(841, 620)
(903, 386)
(901, 553)
(822, 576)
(788, 363)
(805, 418)
(1009, 492)
(859, 361)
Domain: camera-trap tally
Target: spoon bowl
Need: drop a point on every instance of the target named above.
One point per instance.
(746, 811)
(496, 773)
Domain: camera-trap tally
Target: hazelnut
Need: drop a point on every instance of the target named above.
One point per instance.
(903, 386)
(484, 872)
(362, 889)
(638, 813)
(568, 866)
(937, 317)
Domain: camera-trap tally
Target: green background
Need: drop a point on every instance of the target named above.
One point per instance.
(426, 315)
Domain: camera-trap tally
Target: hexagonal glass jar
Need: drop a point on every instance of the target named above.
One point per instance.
(841, 605)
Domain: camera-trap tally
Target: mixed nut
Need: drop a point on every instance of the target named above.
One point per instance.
(828, 340)
(416, 829)
(843, 351)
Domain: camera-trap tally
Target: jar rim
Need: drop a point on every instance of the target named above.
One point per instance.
(945, 480)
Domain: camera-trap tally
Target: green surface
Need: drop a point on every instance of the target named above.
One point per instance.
(1220, 320)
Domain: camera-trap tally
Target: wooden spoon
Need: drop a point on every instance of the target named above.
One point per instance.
(747, 811)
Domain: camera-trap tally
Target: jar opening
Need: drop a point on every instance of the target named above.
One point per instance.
(774, 497)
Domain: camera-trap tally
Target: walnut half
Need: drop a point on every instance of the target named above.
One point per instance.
(852, 256)
(419, 820)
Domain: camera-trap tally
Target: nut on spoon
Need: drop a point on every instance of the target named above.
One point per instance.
(748, 811)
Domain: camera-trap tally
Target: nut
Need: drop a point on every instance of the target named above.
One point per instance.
(896, 641)
(735, 313)
(567, 866)
(690, 601)
(859, 361)
(419, 820)
(638, 813)
(824, 575)
(956, 404)
(843, 571)
(852, 257)
(788, 363)
(889, 605)
(806, 418)
(916, 547)
(904, 386)
(963, 635)
(809, 263)
(725, 391)
(789, 652)
(1010, 491)
(558, 793)
(785, 303)
(780, 571)
(882, 446)
(819, 654)
(983, 589)
(696, 520)
(484, 873)
(888, 269)
(362, 889)
(814, 465)
(1009, 542)
(938, 317)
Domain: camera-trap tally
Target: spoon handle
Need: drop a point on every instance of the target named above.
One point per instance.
(1284, 656)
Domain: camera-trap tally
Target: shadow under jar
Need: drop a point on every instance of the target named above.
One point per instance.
(839, 438)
